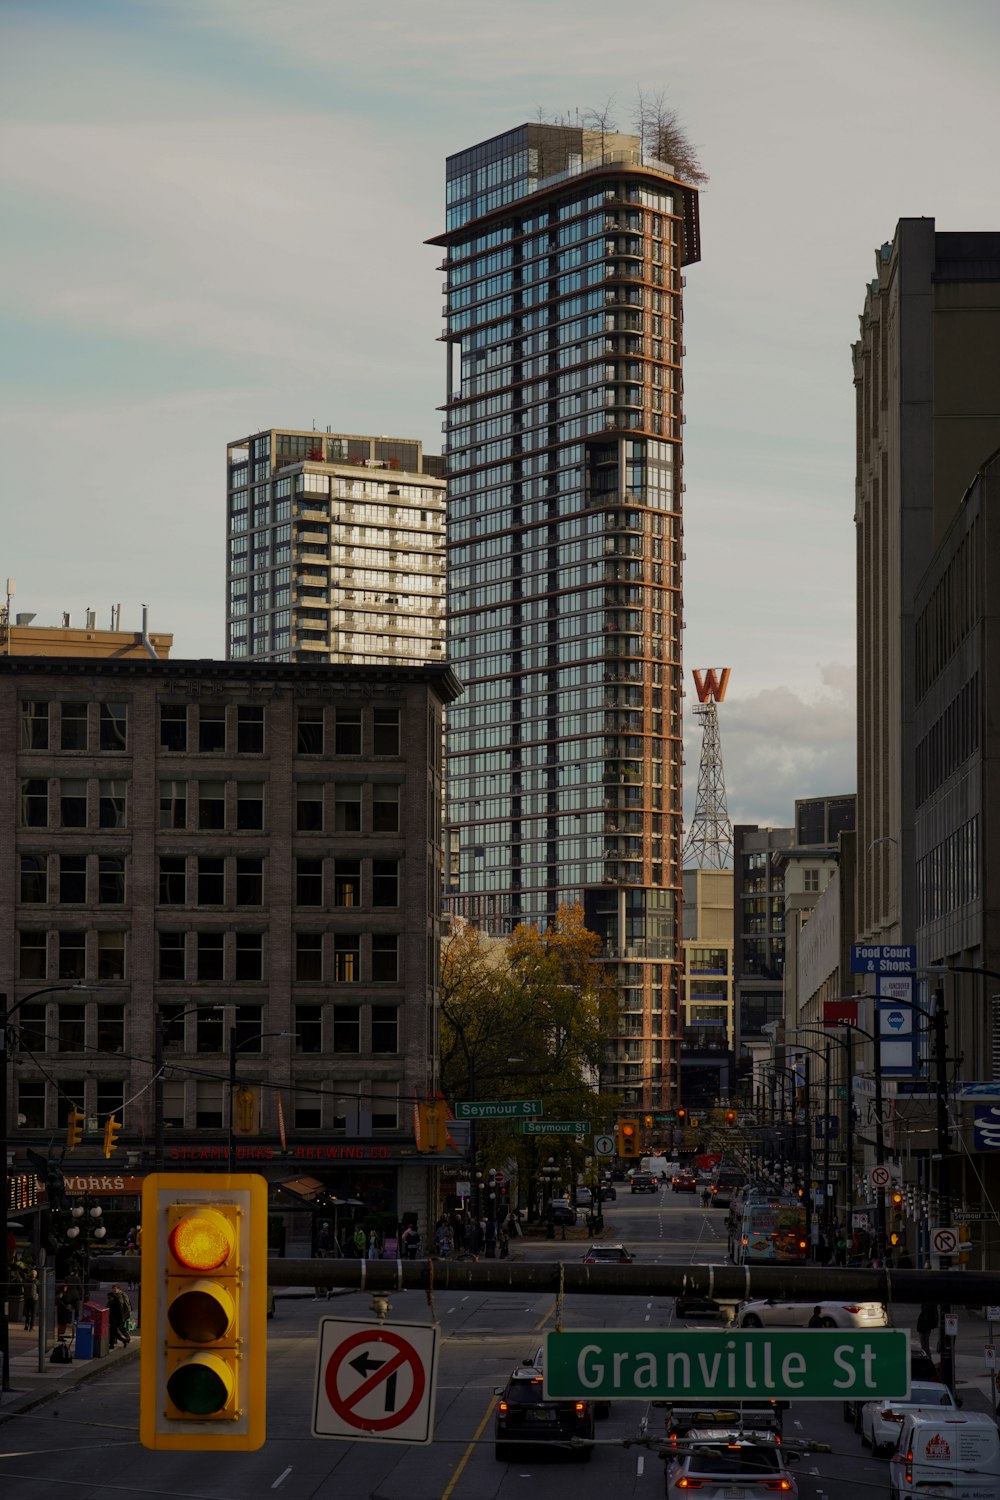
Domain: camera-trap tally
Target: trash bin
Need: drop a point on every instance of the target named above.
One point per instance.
(97, 1319)
(84, 1340)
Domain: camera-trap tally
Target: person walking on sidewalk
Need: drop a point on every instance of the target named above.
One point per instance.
(30, 1300)
(119, 1312)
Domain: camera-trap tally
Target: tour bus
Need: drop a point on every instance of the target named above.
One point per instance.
(768, 1228)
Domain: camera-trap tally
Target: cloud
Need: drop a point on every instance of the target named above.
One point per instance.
(778, 745)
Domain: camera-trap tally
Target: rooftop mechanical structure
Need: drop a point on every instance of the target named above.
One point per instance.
(709, 844)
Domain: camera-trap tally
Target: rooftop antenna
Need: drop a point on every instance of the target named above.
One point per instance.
(709, 844)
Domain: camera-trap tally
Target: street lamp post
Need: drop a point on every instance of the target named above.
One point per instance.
(5, 1015)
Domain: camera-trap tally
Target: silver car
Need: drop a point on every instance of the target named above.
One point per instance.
(768, 1313)
(727, 1466)
(882, 1421)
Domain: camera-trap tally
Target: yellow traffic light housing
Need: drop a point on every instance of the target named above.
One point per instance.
(204, 1311)
(74, 1128)
(112, 1129)
(628, 1138)
(682, 1117)
(431, 1125)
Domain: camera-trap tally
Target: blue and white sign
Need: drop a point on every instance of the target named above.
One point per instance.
(895, 1020)
(883, 958)
(986, 1128)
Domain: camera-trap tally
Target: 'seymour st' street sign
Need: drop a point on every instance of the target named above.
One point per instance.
(504, 1109)
(798, 1364)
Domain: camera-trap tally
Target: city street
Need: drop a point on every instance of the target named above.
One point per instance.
(84, 1443)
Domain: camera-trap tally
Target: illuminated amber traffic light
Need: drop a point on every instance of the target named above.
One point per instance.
(204, 1307)
(682, 1117)
(628, 1137)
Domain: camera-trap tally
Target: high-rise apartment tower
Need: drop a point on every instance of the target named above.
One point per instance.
(563, 254)
(336, 549)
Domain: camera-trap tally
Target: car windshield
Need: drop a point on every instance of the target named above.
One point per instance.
(926, 1395)
(741, 1460)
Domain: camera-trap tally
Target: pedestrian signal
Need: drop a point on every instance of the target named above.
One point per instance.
(628, 1137)
(431, 1125)
(112, 1129)
(74, 1128)
(204, 1311)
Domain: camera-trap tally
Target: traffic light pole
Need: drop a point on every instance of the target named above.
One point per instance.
(5, 1015)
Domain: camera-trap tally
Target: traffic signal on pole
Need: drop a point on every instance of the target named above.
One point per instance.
(204, 1311)
(647, 1120)
(112, 1129)
(74, 1128)
(682, 1116)
(628, 1137)
(431, 1125)
(730, 1117)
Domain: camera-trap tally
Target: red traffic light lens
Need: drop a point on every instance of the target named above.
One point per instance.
(202, 1241)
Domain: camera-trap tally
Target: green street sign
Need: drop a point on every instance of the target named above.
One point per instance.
(484, 1109)
(794, 1364)
(555, 1127)
(664, 1119)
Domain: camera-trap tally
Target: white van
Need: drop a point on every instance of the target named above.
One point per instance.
(948, 1454)
(658, 1165)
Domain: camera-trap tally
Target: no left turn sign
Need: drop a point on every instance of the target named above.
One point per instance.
(375, 1382)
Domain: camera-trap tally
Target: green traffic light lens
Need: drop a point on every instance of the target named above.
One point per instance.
(201, 1386)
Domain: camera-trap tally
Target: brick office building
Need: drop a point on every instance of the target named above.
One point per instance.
(245, 858)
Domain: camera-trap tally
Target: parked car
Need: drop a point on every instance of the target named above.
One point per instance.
(922, 1367)
(644, 1182)
(524, 1417)
(608, 1255)
(684, 1182)
(768, 1313)
(723, 1465)
(562, 1212)
(881, 1421)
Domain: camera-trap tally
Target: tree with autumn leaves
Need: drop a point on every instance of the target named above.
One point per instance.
(528, 1017)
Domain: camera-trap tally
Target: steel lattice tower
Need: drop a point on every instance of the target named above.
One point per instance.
(709, 844)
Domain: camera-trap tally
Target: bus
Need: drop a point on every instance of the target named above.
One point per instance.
(768, 1228)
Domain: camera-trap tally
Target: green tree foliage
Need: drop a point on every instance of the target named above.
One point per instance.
(524, 1018)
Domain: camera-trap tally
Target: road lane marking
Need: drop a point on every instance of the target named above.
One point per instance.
(470, 1449)
(281, 1478)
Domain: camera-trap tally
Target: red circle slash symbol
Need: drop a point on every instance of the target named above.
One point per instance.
(374, 1372)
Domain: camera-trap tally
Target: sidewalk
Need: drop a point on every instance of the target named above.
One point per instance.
(30, 1387)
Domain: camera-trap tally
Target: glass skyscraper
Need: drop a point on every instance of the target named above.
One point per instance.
(564, 250)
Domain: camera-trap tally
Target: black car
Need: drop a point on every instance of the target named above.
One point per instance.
(524, 1416)
(608, 1192)
(644, 1182)
(561, 1212)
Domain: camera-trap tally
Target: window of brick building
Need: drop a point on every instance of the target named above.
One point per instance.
(111, 955)
(309, 882)
(112, 804)
(73, 802)
(34, 878)
(347, 807)
(211, 950)
(385, 882)
(385, 731)
(309, 807)
(34, 803)
(347, 1028)
(173, 726)
(170, 964)
(347, 735)
(385, 1028)
(385, 807)
(73, 954)
(173, 804)
(211, 880)
(211, 728)
(309, 1028)
(173, 880)
(73, 726)
(385, 956)
(114, 726)
(308, 956)
(249, 955)
(249, 804)
(250, 880)
(309, 740)
(211, 804)
(34, 726)
(111, 879)
(33, 955)
(346, 957)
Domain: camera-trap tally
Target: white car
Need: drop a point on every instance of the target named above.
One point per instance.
(768, 1313)
(730, 1466)
(882, 1421)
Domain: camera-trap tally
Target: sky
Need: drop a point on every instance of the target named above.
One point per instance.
(214, 216)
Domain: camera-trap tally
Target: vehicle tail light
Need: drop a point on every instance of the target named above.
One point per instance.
(502, 1408)
(579, 1406)
(777, 1484)
(852, 1307)
(891, 1416)
(684, 1483)
(909, 1468)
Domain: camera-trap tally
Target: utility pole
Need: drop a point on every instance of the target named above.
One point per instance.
(940, 1020)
